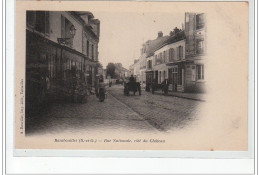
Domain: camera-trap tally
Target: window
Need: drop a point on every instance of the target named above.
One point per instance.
(51, 66)
(92, 52)
(158, 58)
(164, 56)
(180, 76)
(66, 26)
(199, 21)
(170, 75)
(200, 46)
(38, 20)
(67, 32)
(180, 52)
(200, 72)
(149, 64)
(171, 55)
(187, 18)
(87, 48)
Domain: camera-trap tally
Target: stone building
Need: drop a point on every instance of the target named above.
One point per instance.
(179, 57)
(169, 61)
(59, 42)
(195, 32)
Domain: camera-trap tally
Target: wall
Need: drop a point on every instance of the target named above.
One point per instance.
(168, 47)
(88, 37)
(189, 33)
(55, 26)
(55, 29)
(191, 84)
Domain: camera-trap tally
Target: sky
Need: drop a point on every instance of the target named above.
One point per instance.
(123, 33)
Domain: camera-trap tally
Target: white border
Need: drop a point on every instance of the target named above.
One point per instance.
(75, 165)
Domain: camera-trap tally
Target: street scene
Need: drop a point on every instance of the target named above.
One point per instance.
(84, 74)
(146, 113)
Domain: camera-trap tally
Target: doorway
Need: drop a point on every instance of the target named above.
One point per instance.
(175, 79)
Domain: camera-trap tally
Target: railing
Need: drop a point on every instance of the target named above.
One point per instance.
(200, 51)
(199, 26)
(65, 41)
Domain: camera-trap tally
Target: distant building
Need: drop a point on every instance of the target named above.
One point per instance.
(120, 70)
(140, 67)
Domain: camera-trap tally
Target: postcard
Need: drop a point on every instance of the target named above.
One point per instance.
(127, 75)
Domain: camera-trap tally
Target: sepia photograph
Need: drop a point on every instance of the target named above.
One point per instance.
(132, 75)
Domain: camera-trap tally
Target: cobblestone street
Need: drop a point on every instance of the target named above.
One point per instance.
(145, 113)
(163, 112)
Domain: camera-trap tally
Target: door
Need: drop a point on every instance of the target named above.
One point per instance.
(156, 77)
(175, 79)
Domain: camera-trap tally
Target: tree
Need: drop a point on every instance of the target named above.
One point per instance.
(111, 70)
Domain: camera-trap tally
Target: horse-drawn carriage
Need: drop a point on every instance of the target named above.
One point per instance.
(132, 86)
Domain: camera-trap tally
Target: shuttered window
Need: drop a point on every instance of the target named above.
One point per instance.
(200, 72)
(164, 56)
(87, 48)
(171, 55)
(180, 52)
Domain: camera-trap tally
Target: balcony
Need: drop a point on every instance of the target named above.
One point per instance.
(65, 41)
(200, 26)
(199, 51)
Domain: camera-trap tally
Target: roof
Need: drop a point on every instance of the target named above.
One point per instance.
(175, 38)
(80, 13)
(154, 44)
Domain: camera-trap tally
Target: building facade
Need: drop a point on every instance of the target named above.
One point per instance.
(179, 57)
(59, 43)
(140, 67)
(169, 61)
(195, 32)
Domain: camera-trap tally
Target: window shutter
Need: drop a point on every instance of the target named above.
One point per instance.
(173, 55)
(181, 52)
(202, 72)
(177, 54)
(167, 55)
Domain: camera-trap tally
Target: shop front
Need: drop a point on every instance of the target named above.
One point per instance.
(176, 77)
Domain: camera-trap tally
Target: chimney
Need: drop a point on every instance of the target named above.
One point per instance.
(160, 34)
(176, 30)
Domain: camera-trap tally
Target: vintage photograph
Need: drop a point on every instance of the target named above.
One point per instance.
(138, 78)
(67, 84)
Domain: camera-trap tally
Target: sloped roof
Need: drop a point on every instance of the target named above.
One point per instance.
(172, 39)
(80, 13)
(154, 44)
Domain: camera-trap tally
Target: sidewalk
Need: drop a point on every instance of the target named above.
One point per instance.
(191, 96)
